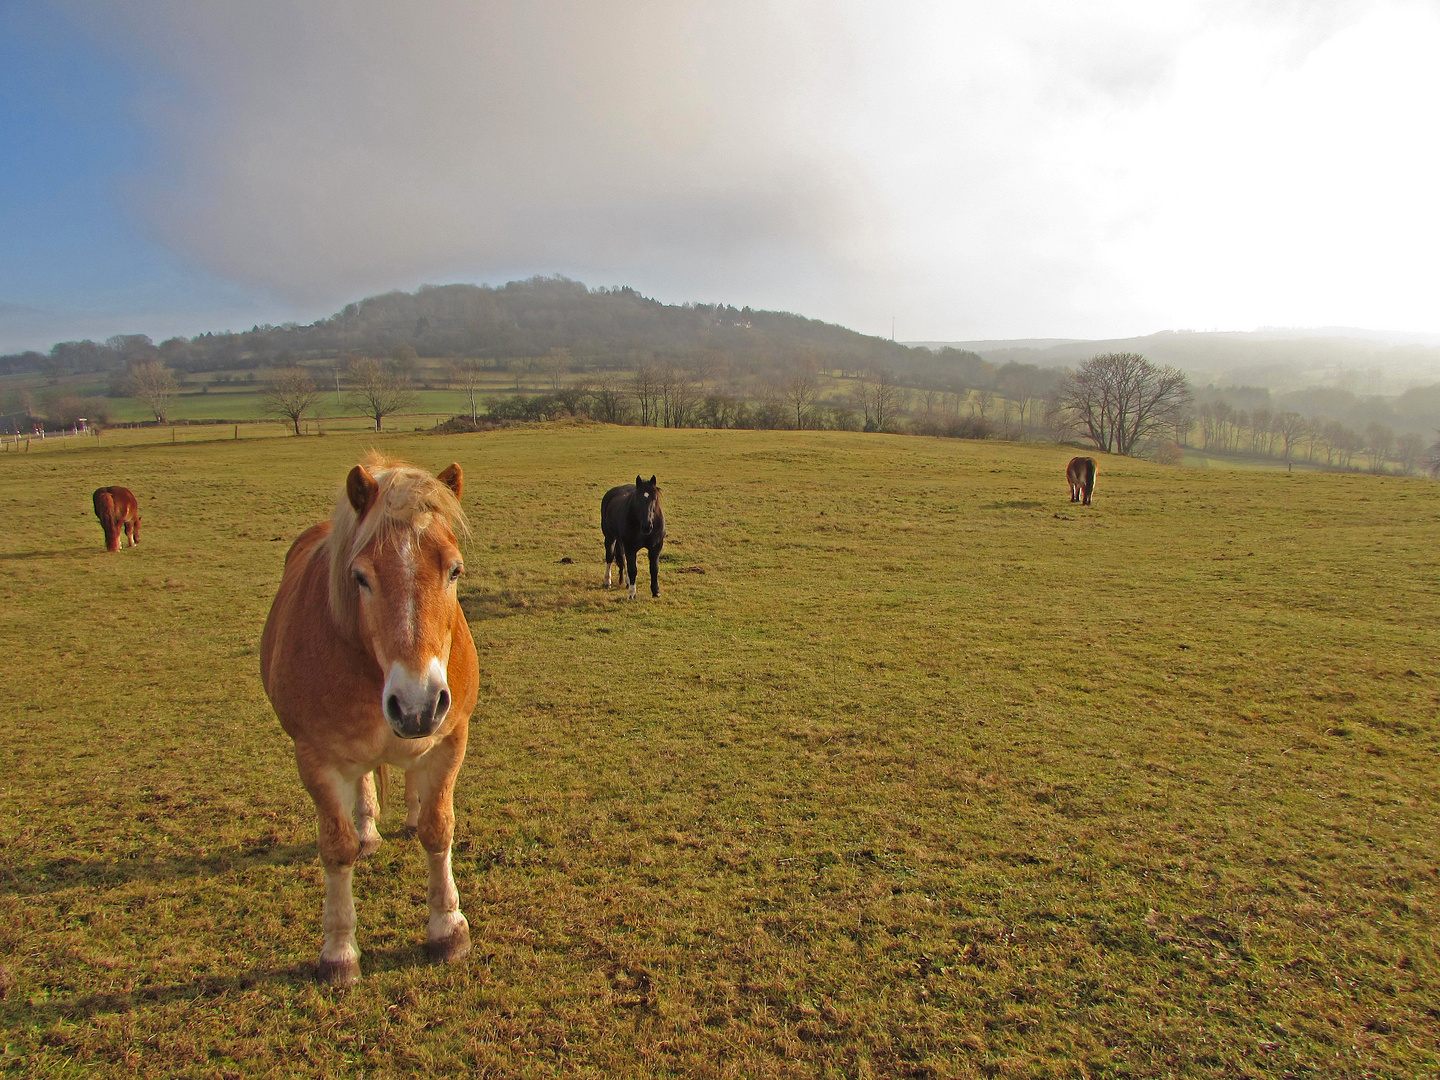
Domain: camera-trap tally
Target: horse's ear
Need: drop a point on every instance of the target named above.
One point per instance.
(452, 478)
(652, 480)
(638, 481)
(361, 489)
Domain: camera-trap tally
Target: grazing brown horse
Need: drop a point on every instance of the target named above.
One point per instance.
(630, 518)
(1081, 476)
(118, 510)
(368, 662)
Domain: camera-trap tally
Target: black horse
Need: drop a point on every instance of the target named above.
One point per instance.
(631, 519)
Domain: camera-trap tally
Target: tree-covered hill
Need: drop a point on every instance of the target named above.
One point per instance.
(599, 328)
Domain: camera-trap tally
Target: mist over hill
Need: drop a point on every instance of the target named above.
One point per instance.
(602, 328)
(1363, 362)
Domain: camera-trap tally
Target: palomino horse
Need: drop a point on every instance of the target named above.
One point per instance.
(368, 662)
(630, 518)
(1080, 474)
(118, 510)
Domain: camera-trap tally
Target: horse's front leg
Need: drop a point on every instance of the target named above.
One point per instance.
(335, 797)
(447, 935)
(630, 557)
(655, 569)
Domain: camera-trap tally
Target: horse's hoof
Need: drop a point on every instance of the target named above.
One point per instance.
(370, 846)
(454, 946)
(339, 972)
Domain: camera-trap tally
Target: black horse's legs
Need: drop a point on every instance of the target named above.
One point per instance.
(630, 555)
(609, 559)
(655, 570)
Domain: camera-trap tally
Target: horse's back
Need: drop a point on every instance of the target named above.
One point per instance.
(612, 508)
(117, 501)
(304, 576)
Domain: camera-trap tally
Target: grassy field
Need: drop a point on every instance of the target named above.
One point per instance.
(914, 770)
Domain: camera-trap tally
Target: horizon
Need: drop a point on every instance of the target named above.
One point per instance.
(972, 174)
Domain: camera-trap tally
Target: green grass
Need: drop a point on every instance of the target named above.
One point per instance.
(915, 769)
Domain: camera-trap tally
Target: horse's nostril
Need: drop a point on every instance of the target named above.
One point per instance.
(392, 709)
(442, 705)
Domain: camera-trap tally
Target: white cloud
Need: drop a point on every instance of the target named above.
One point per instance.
(975, 169)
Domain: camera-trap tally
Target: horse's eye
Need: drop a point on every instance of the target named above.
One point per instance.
(362, 581)
(456, 571)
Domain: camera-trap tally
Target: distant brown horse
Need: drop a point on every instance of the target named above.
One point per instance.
(368, 662)
(118, 511)
(1081, 476)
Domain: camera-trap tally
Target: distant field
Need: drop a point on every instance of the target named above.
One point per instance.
(915, 769)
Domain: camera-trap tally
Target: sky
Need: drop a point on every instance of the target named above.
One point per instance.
(956, 169)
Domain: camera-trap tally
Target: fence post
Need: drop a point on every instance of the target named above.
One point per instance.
(237, 431)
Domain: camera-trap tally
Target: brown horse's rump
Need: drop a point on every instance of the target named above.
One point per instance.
(119, 514)
(1080, 474)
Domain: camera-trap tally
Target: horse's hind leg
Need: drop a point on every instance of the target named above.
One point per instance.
(609, 559)
(367, 813)
(412, 804)
(447, 934)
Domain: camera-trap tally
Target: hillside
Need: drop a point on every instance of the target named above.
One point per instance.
(598, 328)
(1360, 361)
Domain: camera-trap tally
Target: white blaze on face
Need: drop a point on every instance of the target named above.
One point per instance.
(410, 694)
(409, 618)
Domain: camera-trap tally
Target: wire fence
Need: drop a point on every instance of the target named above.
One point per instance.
(195, 432)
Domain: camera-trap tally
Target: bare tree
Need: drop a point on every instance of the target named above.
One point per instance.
(1432, 458)
(556, 365)
(981, 402)
(679, 397)
(1409, 449)
(1262, 425)
(573, 396)
(154, 384)
(1059, 424)
(1379, 440)
(880, 398)
(645, 385)
(377, 391)
(609, 401)
(1289, 426)
(290, 393)
(467, 373)
(801, 390)
(523, 367)
(1121, 399)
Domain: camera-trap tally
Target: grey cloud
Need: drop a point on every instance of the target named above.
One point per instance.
(318, 150)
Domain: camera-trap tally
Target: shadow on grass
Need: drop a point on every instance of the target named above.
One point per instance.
(372, 962)
(59, 874)
(501, 603)
(54, 553)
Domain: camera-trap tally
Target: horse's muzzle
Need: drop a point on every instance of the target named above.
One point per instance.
(416, 705)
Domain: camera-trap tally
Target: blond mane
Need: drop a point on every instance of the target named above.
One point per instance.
(408, 500)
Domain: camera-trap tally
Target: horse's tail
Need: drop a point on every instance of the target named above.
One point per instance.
(109, 516)
(382, 785)
(1089, 473)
